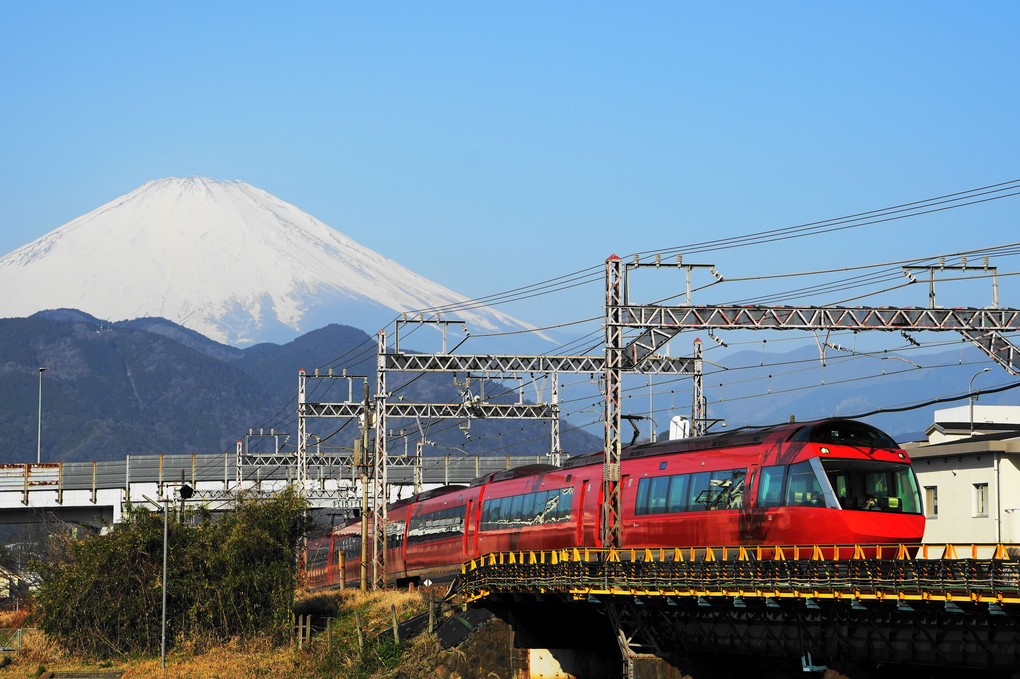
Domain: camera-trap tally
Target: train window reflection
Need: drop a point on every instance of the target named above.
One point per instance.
(702, 491)
(657, 495)
(697, 497)
(527, 509)
(444, 523)
(677, 501)
(770, 486)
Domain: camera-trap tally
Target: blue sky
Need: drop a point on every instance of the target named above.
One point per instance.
(493, 145)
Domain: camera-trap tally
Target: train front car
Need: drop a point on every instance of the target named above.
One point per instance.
(831, 482)
(839, 482)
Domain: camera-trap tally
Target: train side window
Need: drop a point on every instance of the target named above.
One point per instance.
(698, 492)
(657, 495)
(515, 509)
(565, 501)
(486, 516)
(542, 508)
(641, 506)
(492, 509)
(770, 486)
(677, 501)
(733, 494)
(528, 508)
(803, 489)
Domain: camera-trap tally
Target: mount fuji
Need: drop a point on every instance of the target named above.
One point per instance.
(225, 259)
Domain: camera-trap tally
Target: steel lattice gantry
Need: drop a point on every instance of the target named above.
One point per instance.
(659, 324)
(478, 363)
(983, 327)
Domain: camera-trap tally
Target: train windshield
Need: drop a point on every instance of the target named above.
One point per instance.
(847, 433)
(873, 486)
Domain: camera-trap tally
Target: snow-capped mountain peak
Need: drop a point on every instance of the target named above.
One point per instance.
(224, 258)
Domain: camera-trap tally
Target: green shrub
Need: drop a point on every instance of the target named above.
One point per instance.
(226, 578)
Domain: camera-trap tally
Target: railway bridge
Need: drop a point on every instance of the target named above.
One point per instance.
(948, 606)
(98, 491)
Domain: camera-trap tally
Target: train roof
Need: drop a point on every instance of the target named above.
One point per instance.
(515, 472)
(435, 492)
(820, 431)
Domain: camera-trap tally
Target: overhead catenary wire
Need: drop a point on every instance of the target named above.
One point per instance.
(594, 274)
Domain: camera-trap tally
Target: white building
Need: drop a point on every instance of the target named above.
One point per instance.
(969, 474)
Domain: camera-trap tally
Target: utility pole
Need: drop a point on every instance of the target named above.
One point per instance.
(699, 407)
(379, 481)
(360, 461)
(38, 439)
(611, 497)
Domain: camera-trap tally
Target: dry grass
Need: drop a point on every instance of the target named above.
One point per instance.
(14, 619)
(252, 658)
(256, 658)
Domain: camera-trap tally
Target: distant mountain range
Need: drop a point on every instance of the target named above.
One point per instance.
(150, 386)
(225, 259)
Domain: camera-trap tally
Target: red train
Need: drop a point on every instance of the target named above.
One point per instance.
(829, 482)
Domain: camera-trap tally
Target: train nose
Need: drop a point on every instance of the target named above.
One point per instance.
(892, 528)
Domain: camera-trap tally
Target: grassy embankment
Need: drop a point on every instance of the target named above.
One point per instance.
(341, 656)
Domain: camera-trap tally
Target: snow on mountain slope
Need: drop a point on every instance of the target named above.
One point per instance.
(220, 257)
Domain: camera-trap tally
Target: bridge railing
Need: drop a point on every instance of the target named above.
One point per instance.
(970, 573)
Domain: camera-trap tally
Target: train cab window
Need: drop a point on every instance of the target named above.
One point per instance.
(770, 486)
(803, 488)
(873, 486)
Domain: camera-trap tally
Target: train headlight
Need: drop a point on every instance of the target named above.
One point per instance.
(825, 451)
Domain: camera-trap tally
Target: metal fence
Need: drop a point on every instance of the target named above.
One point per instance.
(14, 639)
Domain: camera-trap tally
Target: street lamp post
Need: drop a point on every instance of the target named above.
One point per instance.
(38, 436)
(970, 397)
(166, 528)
